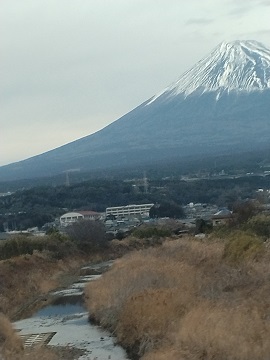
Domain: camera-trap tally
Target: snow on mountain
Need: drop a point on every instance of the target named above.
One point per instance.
(237, 65)
(219, 107)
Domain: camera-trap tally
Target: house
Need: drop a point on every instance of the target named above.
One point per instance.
(72, 217)
(222, 217)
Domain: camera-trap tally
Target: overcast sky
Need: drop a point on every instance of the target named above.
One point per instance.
(70, 67)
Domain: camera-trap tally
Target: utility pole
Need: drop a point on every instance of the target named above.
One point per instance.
(145, 183)
(67, 179)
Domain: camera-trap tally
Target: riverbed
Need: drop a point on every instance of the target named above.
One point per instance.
(64, 322)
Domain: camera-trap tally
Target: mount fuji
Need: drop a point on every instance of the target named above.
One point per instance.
(221, 106)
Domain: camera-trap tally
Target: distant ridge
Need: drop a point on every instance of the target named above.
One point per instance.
(220, 106)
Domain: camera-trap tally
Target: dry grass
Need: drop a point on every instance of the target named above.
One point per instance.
(11, 346)
(107, 297)
(10, 343)
(30, 276)
(185, 301)
(122, 247)
(149, 317)
(216, 331)
(22, 280)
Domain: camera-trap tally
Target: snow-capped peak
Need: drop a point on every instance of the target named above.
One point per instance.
(238, 65)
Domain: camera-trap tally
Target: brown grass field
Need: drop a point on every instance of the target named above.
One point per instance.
(189, 300)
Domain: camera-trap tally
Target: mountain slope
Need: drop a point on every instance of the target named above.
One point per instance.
(220, 106)
(239, 65)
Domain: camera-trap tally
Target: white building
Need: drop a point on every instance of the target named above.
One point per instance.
(129, 210)
(72, 217)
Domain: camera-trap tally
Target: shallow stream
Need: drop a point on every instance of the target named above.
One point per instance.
(64, 322)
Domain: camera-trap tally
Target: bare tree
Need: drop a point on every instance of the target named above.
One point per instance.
(88, 234)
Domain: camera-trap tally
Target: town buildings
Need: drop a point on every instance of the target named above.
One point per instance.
(74, 216)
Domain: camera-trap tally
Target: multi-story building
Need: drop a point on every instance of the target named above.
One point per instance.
(129, 210)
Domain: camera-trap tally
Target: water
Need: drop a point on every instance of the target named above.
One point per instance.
(65, 318)
(65, 305)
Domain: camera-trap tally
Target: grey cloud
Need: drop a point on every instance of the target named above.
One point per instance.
(262, 32)
(199, 21)
(241, 8)
(255, 34)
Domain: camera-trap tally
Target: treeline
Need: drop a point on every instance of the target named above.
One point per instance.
(39, 205)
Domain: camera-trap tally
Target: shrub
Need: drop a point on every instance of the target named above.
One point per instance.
(260, 225)
(221, 232)
(218, 332)
(203, 226)
(211, 331)
(88, 234)
(19, 245)
(244, 210)
(151, 231)
(242, 245)
(148, 318)
(59, 245)
(132, 275)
